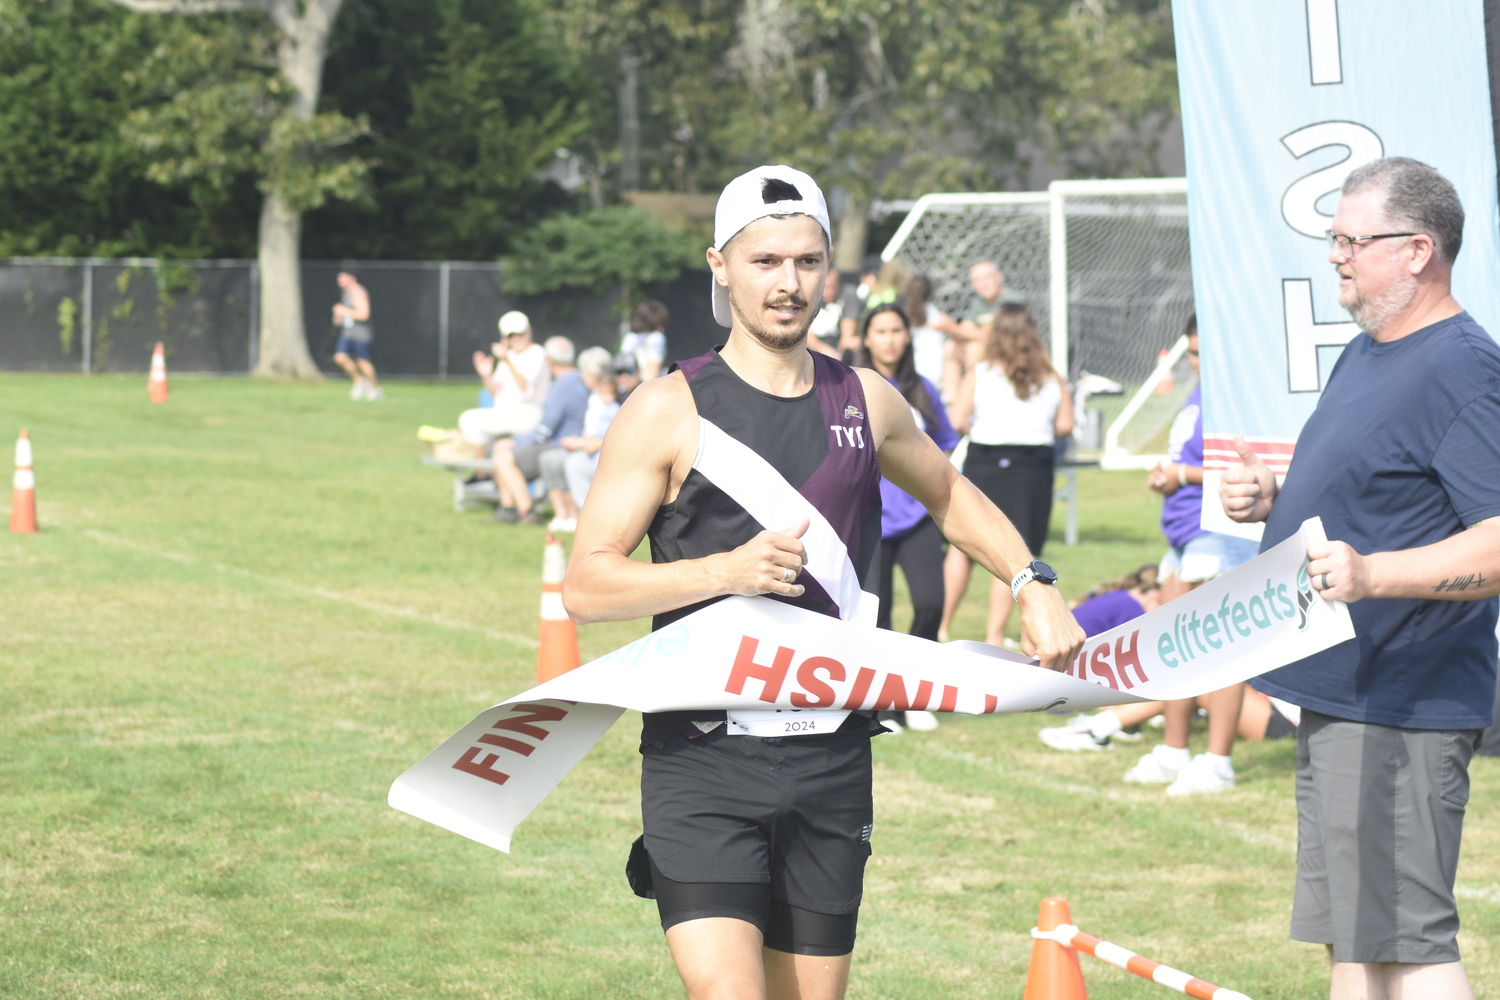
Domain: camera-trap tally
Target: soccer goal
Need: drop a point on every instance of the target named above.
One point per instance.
(1104, 265)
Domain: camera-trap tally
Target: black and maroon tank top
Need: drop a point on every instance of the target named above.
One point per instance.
(767, 461)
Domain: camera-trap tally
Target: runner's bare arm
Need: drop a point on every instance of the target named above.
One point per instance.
(910, 459)
(647, 454)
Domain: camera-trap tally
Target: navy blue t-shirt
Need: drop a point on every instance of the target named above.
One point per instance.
(1402, 451)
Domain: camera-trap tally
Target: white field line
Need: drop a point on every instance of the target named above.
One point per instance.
(378, 607)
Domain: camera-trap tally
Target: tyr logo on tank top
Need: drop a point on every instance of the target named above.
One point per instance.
(767, 462)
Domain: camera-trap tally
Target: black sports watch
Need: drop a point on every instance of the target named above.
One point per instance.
(1038, 571)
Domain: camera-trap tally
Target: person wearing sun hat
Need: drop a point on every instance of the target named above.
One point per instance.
(517, 378)
(758, 824)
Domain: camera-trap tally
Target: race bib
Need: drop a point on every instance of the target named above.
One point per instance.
(784, 721)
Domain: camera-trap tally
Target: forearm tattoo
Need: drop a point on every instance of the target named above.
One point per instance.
(1459, 584)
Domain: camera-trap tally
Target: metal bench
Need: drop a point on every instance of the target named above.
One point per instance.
(465, 493)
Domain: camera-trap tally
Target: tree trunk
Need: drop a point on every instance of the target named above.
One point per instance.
(849, 250)
(283, 338)
(630, 120)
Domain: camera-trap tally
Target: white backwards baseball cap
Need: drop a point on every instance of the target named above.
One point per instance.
(514, 321)
(769, 190)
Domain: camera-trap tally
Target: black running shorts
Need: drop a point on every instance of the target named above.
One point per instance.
(771, 830)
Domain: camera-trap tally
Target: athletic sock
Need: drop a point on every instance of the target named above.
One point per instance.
(1104, 725)
(1222, 764)
(1173, 756)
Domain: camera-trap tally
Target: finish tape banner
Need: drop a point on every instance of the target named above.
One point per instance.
(752, 653)
(1281, 99)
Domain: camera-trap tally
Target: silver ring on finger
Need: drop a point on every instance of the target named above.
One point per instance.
(1325, 581)
(787, 574)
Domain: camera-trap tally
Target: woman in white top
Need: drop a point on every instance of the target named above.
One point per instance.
(647, 338)
(928, 343)
(1013, 405)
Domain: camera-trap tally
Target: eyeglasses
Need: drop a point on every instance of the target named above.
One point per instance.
(1346, 244)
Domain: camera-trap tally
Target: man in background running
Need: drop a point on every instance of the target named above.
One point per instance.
(352, 352)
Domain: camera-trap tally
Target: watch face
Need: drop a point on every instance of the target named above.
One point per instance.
(1044, 573)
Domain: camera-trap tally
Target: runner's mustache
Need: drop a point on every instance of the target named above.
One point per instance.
(795, 301)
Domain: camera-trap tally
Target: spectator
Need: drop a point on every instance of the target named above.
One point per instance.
(1014, 405)
(1259, 718)
(971, 331)
(908, 536)
(1194, 557)
(1401, 460)
(352, 352)
(627, 376)
(569, 469)
(518, 464)
(517, 376)
(931, 347)
(647, 339)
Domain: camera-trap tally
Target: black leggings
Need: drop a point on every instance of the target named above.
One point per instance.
(920, 555)
(1018, 479)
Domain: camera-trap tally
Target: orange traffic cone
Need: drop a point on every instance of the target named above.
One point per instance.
(158, 382)
(1165, 386)
(558, 649)
(1054, 972)
(23, 497)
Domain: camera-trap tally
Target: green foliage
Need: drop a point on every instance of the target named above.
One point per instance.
(466, 99)
(883, 98)
(220, 112)
(70, 184)
(67, 323)
(597, 249)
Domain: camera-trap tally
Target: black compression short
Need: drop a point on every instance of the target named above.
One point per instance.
(785, 927)
(775, 831)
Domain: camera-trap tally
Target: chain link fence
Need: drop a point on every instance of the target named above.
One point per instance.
(429, 317)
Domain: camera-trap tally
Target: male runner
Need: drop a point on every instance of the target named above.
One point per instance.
(755, 844)
(352, 352)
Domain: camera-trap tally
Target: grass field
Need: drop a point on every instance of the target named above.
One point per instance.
(250, 609)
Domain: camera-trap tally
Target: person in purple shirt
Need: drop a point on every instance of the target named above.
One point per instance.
(1194, 557)
(908, 535)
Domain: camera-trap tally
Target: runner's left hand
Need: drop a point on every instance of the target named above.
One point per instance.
(1048, 629)
(1350, 576)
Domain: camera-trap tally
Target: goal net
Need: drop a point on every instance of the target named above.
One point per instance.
(1104, 266)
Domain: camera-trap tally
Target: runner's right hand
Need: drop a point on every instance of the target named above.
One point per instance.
(757, 566)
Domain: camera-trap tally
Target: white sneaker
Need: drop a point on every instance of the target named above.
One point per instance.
(922, 722)
(357, 391)
(1156, 768)
(563, 524)
(1203, 774)
(1125, 737)
(375, 392)
(1063, 738)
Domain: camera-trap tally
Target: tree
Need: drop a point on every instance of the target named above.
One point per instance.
(70, 183)
(594, 250)
(198, 130)
(468, 103)
(882, 98)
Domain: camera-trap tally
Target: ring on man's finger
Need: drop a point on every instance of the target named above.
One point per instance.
(1325, 582)
(787, 574)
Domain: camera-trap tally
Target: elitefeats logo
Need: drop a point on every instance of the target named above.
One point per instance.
(1304, 595)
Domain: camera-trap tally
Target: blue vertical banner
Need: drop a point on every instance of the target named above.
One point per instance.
(1281, 99)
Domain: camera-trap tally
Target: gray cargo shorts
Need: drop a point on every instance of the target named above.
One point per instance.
(1380, 813)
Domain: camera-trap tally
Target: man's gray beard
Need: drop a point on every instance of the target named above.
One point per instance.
(775, 341)
(1374, 314)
